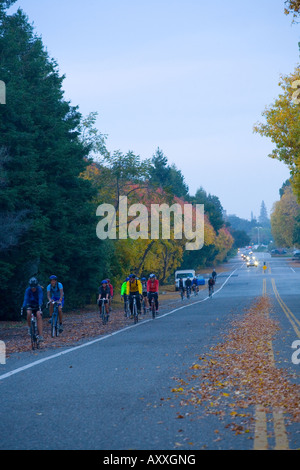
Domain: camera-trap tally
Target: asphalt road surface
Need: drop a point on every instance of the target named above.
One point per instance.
(115, 392)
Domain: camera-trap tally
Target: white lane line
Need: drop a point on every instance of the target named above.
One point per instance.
(293, 270)
(75, 348)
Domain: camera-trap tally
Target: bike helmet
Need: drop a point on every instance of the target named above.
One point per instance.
(33, 282)
(144, 279)
(152, 276)
(104, 281)
(53, 277)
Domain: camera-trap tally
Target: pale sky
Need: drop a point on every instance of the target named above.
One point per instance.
(191, 77)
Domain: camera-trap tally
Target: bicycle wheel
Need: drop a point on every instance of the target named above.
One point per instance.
(103, 314)
(33, 331)
(53, 326)
(144, 307)
(135, 313)
(153, 309)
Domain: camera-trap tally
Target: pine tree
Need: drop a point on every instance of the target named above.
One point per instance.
(263, 216)
(46, 158)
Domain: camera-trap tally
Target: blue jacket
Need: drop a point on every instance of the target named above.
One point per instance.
(34, 299)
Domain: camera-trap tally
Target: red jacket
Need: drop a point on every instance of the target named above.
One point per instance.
(152, 286)
(111, 290)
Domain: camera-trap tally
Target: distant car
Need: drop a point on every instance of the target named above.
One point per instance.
(200, 281)
(252, 262)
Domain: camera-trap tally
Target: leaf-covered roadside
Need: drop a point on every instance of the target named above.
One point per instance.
(240, 372)
(79, 325)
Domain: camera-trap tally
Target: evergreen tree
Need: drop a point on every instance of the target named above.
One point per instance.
(263, 216)
(42, 174)
(167, 177)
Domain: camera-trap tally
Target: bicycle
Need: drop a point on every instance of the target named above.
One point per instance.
(188, 292)
(210, 291)
(182, 294)
(35, 343)
(103, 313)
(126, 308)
(195, 290)
(54, 318)
(152, 306)
(134, 310)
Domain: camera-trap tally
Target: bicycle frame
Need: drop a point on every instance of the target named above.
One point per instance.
(182, 293)
(54, 318)
(134, 310)
(103, 313)
(34, 332)
(152, 304)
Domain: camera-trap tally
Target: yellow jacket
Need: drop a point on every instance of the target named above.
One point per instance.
(134, 287)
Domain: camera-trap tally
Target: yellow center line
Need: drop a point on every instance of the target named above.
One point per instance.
(290, 316)
(260, 432)
(282, 442)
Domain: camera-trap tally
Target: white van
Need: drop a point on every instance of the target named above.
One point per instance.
(184, 274)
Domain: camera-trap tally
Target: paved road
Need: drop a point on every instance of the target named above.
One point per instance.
(114, 393)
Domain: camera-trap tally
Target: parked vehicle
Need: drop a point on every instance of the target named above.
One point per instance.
(183, 274)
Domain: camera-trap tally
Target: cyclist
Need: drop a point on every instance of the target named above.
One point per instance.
(195, 285)
(124, 295)
(33, 300)
(111, 292)
(211, 283)
(181, 287)
(144, 292)
(188, 285)
(214, 275)
(55, 291)
(152, 290)
(134, 287)
(104, 293)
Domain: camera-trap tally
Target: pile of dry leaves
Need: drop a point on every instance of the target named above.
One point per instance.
(241, 371)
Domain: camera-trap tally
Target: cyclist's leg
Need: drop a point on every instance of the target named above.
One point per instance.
(39, 323)
(138, 304)
(51, 307)
(156, 301)
(146, 299)
(125, 300)
(29, 317)
(130, 303)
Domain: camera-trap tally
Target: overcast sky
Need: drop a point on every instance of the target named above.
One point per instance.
(191, 77)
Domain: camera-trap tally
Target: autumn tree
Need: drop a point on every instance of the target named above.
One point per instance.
(292, 7)
(282, 126)
(284, 219)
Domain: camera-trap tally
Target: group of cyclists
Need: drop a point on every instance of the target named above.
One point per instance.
(189, 285)
(34, 298)
(143, 290)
